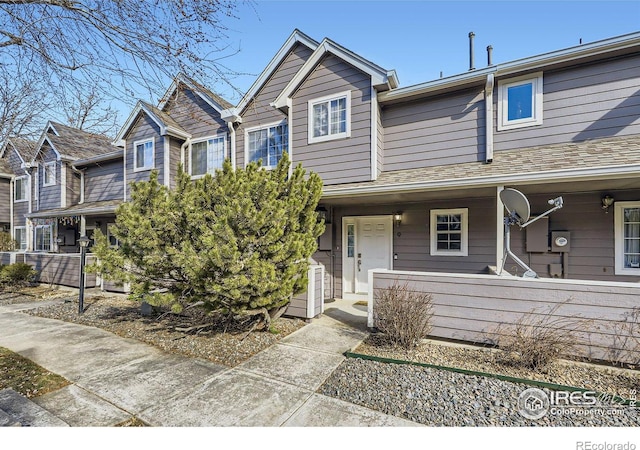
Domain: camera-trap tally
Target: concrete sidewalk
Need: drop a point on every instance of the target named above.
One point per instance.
(116, 378)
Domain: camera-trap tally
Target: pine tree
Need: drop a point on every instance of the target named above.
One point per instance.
(238, 242)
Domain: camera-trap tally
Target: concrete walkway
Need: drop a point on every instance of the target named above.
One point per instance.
(116, 378)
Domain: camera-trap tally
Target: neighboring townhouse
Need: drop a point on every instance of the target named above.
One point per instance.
(64, 199)
(185, 128)
(15, 162)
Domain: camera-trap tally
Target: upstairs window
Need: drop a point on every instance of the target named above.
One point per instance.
(20, 189)
(143, 152)
(207, 156)
(449, 232)
(520, 102)
(49, 174)
(627, 238)
(330, 117)
(267, 144)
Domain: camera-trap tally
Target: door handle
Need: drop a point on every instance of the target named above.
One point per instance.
(359, 264)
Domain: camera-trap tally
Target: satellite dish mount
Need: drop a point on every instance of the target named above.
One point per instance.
(519, 212)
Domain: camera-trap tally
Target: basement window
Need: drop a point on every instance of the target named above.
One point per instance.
(520, 102)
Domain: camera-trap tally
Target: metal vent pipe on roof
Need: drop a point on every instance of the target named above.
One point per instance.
(471, 63)
(489, 55)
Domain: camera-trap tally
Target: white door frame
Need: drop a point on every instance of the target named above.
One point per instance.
(354, 220)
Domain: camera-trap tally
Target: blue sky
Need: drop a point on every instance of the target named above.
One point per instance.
(419, 39)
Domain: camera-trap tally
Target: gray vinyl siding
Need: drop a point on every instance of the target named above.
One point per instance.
(471, 308)
(60, 269)
(144, 129)
(198, 118)
(412, 245)
(5, 199)
(582, 103)
(104, 181)
(175, 159)
(49, 196)
(258, 112)
(340, 160)
(435, 131)
(73, 186)
(592, 253)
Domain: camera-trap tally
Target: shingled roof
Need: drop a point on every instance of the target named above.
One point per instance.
(26, 148)
(72, 143)
(539, 160)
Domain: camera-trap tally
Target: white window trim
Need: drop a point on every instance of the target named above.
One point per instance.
(35, 238)
(262, 127)
(618, 223)
(25, 189)
(328, 137)
(503, 116)
(153, 155)
(53, 174)
(26, 239)
(464, 232)
(222, 136)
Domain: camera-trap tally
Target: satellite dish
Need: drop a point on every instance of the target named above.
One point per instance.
(516, 205)
(519, 211)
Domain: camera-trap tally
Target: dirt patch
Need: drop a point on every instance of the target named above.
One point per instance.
(26, 377)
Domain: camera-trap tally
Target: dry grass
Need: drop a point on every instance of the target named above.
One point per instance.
(26, 377)
(538, 338)
(403, 315)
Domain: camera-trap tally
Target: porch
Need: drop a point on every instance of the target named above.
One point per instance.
(469, 307)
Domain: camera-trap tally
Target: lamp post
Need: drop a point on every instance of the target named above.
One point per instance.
(84, 243)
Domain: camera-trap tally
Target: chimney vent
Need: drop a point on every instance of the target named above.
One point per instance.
(489, 55)
(471, 63)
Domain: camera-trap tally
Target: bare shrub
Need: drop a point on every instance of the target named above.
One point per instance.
(538, 338)
(626, 334)
(403, 314)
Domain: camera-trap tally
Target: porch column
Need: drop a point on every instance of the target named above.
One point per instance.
(83, 226)
(499, 228)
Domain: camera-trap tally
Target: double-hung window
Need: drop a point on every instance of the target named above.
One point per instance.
(520, 102)
(49, 174)
(143, 153)
(43, 238)
(330, 117)
(627, 238)
(207, 155)
(449, 232)
(20, 189)
(267, 144)
(20, 236)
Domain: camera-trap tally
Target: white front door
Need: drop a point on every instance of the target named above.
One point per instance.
(367, 244)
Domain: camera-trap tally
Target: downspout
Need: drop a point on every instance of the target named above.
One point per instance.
(124, 169)
(81, 172)
(488, 103)
(232, 143)
(11, 200)
(183, 147)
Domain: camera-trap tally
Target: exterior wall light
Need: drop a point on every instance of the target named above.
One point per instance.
(397, 217)
(607, 201)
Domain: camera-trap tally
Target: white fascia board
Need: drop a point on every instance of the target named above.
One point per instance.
(378, 75)
(520, 65)
(295, 37)
(606, 173)
(84, 212)
(99, 158)
(40, 143)
(231, 115)
(128, 123)
(14, 149)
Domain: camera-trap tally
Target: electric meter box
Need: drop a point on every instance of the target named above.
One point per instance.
(560, 241)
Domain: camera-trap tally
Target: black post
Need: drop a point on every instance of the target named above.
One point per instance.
(83, 255)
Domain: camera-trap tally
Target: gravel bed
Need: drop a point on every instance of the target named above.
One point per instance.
(10, 296)
(600, 378)
(442, 398)
(117, 314)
